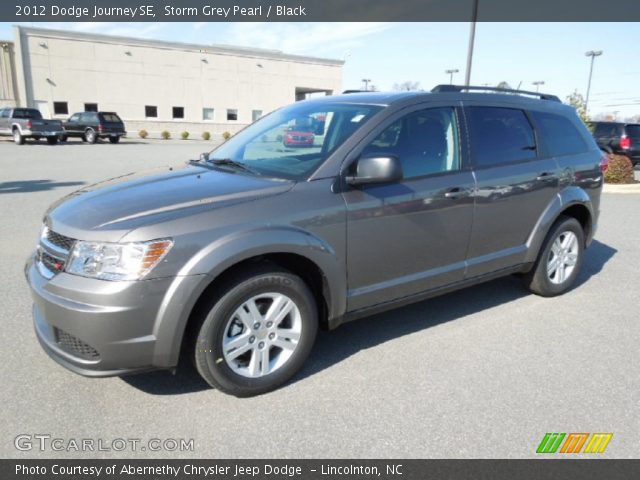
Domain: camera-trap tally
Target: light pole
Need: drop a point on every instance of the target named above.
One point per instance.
(593, 54)
(537, 83)
(366, 82)
(450, 73)
(472, 36)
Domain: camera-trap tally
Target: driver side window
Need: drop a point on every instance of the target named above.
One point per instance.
(425, 142)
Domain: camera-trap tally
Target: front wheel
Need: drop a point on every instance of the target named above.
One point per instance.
(257, 334)
(559, 261)
(114, 139)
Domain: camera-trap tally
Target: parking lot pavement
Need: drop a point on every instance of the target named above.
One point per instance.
(484, 372)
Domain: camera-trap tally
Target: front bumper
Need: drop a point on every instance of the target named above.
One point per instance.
(98, 328)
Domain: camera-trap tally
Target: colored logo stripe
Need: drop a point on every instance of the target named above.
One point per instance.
(550, 443)
(598, 442)
(574, 443)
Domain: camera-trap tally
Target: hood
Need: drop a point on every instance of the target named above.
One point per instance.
(123, 203)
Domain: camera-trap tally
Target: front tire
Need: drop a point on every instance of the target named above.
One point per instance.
(114, 139)
(257, 333)
(559, 261)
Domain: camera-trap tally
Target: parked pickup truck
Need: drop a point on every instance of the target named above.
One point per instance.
(23, 123)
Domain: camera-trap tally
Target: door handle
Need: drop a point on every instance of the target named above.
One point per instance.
(545, 176)
(454, 193)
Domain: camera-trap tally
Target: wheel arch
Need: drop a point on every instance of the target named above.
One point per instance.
(304, 256)
(572, 202)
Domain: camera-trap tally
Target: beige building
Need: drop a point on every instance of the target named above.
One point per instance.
(156, 85)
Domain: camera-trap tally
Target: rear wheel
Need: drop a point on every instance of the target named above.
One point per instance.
(90, 136)
(257, 334)
(559, 261)
(52, 140)
(17, 137)
(64, 138)
(114, 139)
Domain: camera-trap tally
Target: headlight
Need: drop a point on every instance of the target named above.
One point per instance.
(116, 261)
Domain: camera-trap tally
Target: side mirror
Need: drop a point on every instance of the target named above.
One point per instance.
(376, 170)
(204, 157)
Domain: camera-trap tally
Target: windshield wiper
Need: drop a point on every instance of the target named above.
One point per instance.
(233, 163)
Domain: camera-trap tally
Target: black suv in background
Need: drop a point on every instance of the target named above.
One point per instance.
(619, 138)
(93, 125)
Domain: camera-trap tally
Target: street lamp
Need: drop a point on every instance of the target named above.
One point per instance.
(450, 73)
(366, 82)
(472, 37)
(537, 83)
(593, 54)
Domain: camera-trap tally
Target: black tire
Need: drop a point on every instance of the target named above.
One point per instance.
(18, 138)
(539, 280)
(114, 139)
(63, 138)
(90, 136)
(215, 318)
(52, 140)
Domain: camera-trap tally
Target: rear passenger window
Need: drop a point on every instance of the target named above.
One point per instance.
(559, 134)
(500, 135)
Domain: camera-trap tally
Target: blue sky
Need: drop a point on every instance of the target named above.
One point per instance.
(390, 53)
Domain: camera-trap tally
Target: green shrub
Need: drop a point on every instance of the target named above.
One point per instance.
(226, 136)
(165, 135)
(143, 133)
(206, 135)
(184, 135)
(620, 170)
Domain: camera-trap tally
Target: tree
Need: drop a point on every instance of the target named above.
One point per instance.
(504, 86)
(576, 100)
(407, 86)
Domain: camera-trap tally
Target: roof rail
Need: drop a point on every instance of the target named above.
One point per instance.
(468, 88)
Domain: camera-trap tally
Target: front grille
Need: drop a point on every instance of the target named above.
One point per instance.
(53, 252)
(60, 240)
(53, 264)
(75, 346)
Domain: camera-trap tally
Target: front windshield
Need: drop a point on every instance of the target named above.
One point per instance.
(292, 142)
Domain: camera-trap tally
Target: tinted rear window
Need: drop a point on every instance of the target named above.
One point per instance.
(27, 113)
(110, 117)
(500, 135)
(633, 131)
(560, 134)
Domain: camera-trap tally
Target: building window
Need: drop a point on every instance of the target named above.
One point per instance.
(178, 112)
(60, 108)
(90, 107)
(255, 115)
(232, 114)
(151, 111)
(207, 114)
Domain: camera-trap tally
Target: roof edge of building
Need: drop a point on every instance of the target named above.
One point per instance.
(141, 42)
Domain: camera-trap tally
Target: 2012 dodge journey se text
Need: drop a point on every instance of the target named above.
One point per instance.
(239, 257)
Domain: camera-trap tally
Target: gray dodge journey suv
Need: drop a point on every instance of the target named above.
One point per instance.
(236, 259)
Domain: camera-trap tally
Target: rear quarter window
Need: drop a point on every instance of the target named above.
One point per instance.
(110, 117)
(559, 134)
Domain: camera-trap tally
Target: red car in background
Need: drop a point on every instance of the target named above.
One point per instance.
(298, 136)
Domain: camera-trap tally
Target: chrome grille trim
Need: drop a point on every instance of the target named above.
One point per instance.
(52, 245)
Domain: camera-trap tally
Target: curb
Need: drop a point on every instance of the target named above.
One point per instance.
(629, 188)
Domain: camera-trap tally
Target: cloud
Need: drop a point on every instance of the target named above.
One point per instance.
(304, 38)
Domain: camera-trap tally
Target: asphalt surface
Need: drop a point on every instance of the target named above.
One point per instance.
(483, 372)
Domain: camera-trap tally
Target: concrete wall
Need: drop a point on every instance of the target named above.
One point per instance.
(124, 75)
(8, 89)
